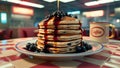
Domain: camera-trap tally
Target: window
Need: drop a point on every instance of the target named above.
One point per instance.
(3, 17)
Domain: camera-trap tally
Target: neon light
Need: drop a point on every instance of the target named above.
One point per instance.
(3, 18)
(64, 1)
(74, 12)
(94, 13)
(92, 3)
(25, 3)
(22, 10)
(50, 0)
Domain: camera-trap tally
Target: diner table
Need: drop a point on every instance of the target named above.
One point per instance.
(109, 57)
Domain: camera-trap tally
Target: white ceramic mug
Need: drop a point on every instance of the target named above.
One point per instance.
(99, 32)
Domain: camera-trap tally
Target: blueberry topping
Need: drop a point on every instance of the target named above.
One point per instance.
(58, 14)
(83, 48)
(89, 47)
(31, 47)
(86, 45)
(28, 46)
(66, 14)
(78, 49)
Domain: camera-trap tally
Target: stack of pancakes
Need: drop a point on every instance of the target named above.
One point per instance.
(59, 35)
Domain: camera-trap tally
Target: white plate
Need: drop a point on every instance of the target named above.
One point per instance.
(96, 47)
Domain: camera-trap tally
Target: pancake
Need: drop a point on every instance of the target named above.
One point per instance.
(62, 50)
(64, 21)
(59, 33)
(52, 31)
(60, 27)
(59, 44)
(60, 37)
(57, 50)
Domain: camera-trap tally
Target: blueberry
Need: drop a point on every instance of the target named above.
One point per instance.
(28, 46)
(33, 48)
(28, 43)
(66, 14)
(78, 49)
(83, 48)
(34, 44)
(59, 14)
(85, 44)
(89, 47)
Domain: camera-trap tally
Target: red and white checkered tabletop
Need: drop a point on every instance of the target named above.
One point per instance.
(10, 58)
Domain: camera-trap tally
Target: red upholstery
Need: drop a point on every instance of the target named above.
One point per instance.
(7, 34)
(27, 32)
(1, 34)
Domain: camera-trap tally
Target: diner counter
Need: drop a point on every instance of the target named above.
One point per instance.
(10, 58)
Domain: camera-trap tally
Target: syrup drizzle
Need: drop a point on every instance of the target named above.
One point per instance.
(56, 23)
(45, 31)
(45, 36)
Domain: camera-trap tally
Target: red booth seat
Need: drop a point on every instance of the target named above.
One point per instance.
(8, 34)
(27, 32)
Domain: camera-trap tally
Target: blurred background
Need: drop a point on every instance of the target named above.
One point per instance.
(19, 18)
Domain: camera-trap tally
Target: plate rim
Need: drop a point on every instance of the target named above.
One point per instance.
(41, 54)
